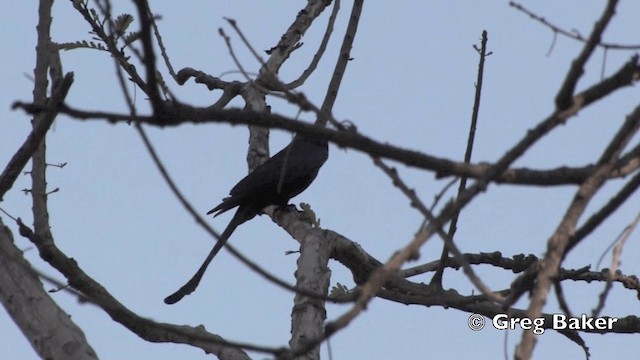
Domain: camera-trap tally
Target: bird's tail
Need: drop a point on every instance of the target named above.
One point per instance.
(192, 284)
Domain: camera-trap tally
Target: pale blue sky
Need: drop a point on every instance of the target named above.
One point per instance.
(411, 83)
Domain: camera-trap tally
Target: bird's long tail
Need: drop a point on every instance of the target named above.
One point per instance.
(192, 284)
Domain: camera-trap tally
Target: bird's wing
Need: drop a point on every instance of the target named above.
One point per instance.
(262, 179)
(257, 182)
(281, 177)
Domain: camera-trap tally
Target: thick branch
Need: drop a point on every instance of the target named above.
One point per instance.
(47, 327)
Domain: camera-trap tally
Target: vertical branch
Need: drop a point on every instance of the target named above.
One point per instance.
(437, 277)
(38, 172)
(149, 55)
(341, 64)
(48, 328)
(313, 274)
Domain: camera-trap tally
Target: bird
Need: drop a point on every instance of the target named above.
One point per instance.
(275, 182)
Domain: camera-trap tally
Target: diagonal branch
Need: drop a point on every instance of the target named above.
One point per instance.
(145, 328)
(565, 94)
(34, 139)
(557, 244)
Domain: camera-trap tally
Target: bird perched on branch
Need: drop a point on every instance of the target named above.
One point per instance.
(281, 177)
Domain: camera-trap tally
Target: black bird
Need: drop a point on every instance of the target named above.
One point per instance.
(281, 177)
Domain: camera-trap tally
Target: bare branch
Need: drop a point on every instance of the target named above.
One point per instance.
(145, 328)
(35, 138)
(570, 34)
(482, 51)
(565, 94)
(181, 114)
(321, 49)
(47, 327)
(557, 244)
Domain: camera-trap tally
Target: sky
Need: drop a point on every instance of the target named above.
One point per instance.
(411, 83)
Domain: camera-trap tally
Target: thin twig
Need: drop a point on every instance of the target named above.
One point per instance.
(109, 41)
(615, 264)
(570, 34)
(321, 49)
(437, 277)
(227, 41)
(562, 300)
(446, 237)
(163, 50)
(565, 94)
